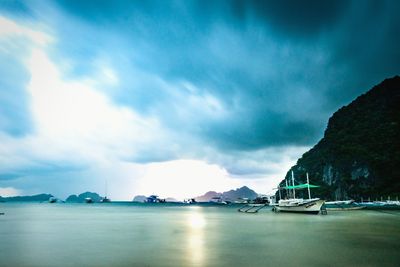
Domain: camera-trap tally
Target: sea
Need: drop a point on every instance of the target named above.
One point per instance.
(132, 234)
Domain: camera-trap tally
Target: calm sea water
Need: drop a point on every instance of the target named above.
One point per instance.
(117, 234)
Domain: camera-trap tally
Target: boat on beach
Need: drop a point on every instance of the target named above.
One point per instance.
(299, 205)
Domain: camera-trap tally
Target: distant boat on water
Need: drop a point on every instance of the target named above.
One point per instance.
(344, 207)
(340, 202)
(89, 200)
(154, 199)
(393, 202)
(218, 200)
(105, 200)
(300, 205)
(52, 200)
(261, 199)
(242, 200)
(190, 201)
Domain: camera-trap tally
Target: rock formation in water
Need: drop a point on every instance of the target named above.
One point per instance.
(81, 198)
(139, 198)
(359, 155)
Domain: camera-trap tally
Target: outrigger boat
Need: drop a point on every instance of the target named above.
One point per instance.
(300, 205)
(343, 205)
(340, 202)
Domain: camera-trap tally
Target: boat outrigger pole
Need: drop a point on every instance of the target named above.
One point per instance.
(308, 186)
(294, 192)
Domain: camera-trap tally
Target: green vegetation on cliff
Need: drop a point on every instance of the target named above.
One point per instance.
(359, 155)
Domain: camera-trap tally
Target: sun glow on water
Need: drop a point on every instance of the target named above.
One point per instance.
(196, 221)
(196, 224)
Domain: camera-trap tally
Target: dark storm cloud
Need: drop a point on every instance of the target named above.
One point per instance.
(291, 16)
(266, 61)
(278, 68)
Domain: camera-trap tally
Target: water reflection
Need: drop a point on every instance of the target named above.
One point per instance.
(196, 224)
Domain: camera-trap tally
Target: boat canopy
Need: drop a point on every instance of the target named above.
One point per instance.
(300, 186)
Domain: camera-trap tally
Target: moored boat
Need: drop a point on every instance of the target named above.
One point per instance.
(340, 202)
(105, 200)
(338, 207)
(88, 200)
(299, 205)
(190, 201)
(218, 200)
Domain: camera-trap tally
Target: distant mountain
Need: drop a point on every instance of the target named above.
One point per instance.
(243, 192)
(81, 198)
(207, 196)
(34, 198)
(359, 155)
(139, 198)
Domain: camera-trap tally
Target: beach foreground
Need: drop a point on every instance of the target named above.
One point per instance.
(127, 234)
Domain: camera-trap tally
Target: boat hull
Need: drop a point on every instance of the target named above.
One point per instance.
(313, 207)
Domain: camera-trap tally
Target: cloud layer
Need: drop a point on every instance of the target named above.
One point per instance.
(91, 91)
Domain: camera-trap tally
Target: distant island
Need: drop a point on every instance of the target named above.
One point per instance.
(139, 198)
(359, 155)
(232, 195)
(81, 197)
(46, 197)
(34, 198)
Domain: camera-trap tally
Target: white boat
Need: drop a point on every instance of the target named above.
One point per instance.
(218, 200)
(344, 207)
(242, 200)
(312, 206)
(300, 205)
(393, 202)
(340, 202)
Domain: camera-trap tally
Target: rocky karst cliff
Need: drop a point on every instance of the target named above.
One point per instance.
(359, 155)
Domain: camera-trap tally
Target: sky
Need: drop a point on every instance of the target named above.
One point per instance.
(177, 98)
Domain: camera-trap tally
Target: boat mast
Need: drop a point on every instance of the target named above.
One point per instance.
(308, 185)
(287, 190)
(294, 192)
(105, 188)
(279, 189)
